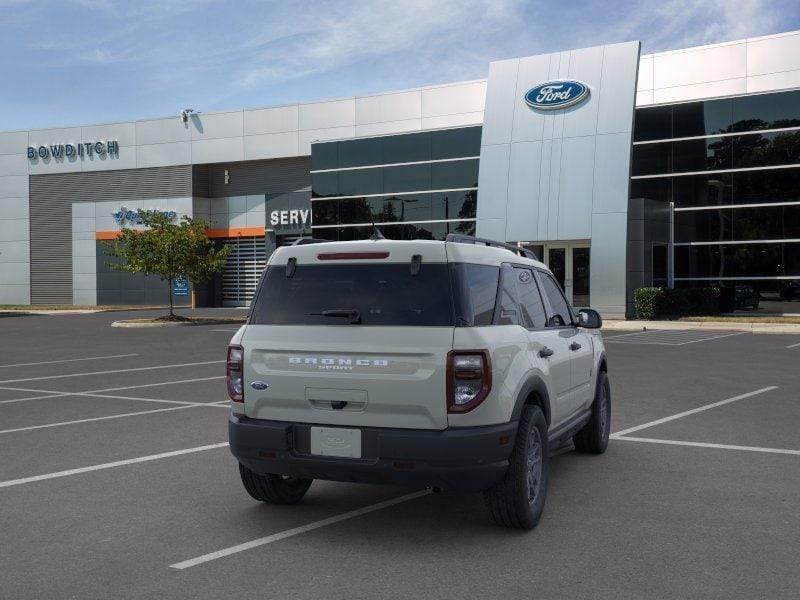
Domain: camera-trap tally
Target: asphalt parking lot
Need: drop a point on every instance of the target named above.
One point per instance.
(115, 481)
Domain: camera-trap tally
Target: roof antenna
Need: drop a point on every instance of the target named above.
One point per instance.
(376, 233)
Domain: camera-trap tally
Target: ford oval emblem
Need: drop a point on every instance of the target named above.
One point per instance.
(556, 94)
(259, 385)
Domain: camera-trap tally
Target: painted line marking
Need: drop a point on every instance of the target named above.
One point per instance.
(13, 400)
(706, 445)
(611, 337)
(227, 330)
(132, 387)
(96, 393)
(192, 562)
(54, 394)
(94, 419)
(718, 337)
(672, 337)
(66, 360)
(694, 411)
(207, 362)
(110, 465)
(792, 346)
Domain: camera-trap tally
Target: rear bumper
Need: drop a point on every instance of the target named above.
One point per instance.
(467, 459)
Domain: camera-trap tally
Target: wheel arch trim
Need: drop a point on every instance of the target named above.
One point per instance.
(534, 384)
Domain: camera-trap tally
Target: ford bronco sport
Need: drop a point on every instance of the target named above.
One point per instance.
(455, 364)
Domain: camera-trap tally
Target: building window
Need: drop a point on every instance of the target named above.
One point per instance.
(735, 187)
(414, 186)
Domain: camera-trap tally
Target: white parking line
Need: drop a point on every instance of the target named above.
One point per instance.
(96, 393)
(93, 419)
(13, 400)
(192, 562)
(792, 346)
(708, 445)
(195, 364)
(671, 337)
(57, 394)
(228, 330)
(693, 411)
(132, 387)
(718, 337)
(66, 360)
(110, 465)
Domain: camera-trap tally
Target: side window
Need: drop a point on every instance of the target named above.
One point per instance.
(507, 312)
(558, 303)
(530, 301)
(475, 292)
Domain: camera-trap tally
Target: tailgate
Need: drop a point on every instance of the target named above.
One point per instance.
(369, 376)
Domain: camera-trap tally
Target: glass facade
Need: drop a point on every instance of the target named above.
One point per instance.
(731, 168)
(413, 186)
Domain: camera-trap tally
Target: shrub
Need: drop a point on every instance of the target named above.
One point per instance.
(661, 303)
(648, 301)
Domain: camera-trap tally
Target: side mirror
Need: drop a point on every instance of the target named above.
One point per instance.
(589, 318)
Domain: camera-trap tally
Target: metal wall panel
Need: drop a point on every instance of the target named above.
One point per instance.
(259, 177)
(51, 198)
(548, 175)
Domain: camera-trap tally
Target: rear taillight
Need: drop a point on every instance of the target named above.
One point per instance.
(235, 374)
(469, 379)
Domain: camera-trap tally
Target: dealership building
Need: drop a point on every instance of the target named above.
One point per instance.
(619, 170)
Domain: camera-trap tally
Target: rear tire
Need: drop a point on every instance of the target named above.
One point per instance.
(274, 489)
(593, 438)
(518, 499)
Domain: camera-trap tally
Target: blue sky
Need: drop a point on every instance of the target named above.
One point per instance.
(74, 62)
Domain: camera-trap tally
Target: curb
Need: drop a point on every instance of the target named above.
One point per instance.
(752, 327)
(134, 324)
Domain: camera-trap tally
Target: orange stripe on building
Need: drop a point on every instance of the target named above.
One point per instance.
(228, 232)
(235, 232)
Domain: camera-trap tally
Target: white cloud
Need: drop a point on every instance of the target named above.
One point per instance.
(675, 24)
(159, 54)
(422, 31)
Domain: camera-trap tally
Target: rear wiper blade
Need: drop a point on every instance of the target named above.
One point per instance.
(347, 313)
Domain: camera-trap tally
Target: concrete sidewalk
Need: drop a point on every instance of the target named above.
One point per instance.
(751, 326)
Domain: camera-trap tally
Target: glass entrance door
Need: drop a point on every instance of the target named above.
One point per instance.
(557, 261)
(580, 276)
(571, 266)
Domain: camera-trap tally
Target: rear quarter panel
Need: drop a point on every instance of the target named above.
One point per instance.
(508, 347)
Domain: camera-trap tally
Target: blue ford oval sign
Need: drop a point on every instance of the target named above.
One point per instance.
(556, 94)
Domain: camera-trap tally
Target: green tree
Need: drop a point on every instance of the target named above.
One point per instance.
(168, 249)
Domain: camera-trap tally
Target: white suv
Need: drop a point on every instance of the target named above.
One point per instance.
(455, 364)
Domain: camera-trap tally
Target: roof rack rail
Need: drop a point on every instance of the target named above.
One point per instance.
(469, 239)
(303, 241)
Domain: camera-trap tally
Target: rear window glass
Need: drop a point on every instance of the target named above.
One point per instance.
(475, 294)
(382, 294)
(507, 313)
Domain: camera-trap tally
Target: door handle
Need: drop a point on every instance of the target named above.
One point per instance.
(574, 346)
(545, 352)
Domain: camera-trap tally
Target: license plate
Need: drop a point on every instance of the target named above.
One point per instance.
(333, 441)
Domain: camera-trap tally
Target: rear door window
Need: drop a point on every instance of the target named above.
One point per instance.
(382, 294)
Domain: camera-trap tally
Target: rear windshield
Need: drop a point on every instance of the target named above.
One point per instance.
(440, 295)
(381, 294)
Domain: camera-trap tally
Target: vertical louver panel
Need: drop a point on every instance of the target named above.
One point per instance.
(244, 265)
(51, 198)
